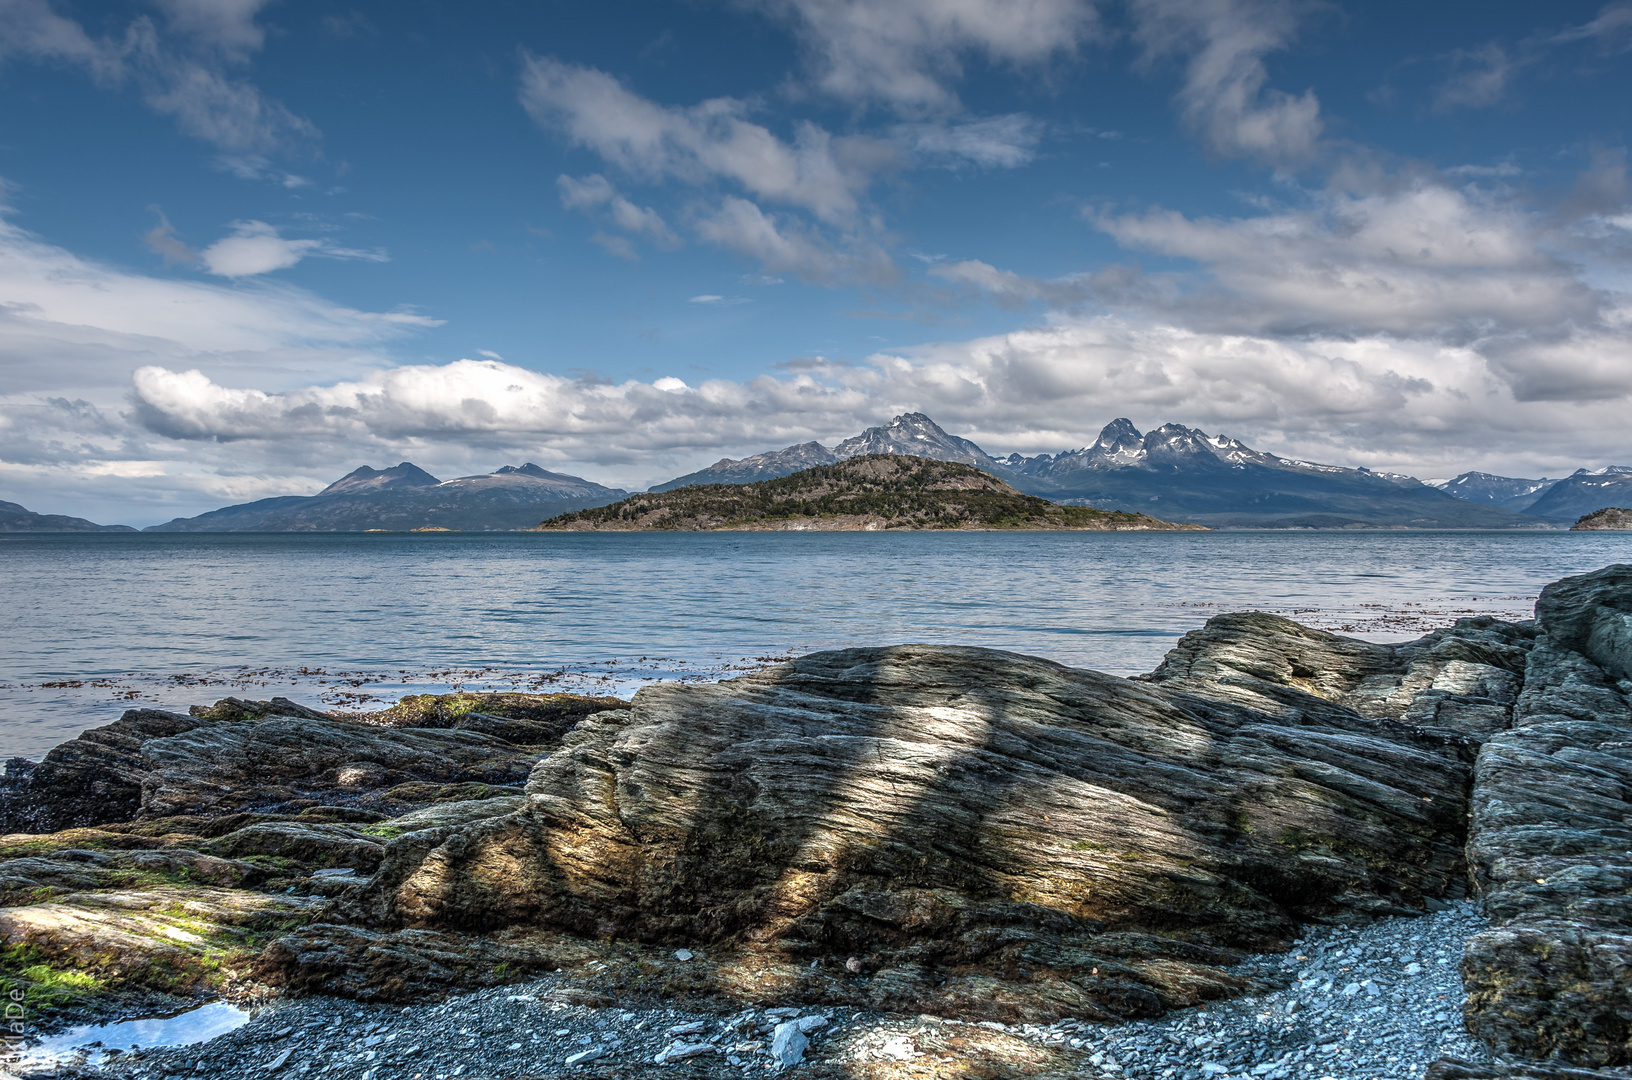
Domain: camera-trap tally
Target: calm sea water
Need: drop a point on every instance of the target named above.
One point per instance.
(95, 624)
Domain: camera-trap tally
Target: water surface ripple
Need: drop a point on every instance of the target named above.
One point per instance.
(97, 623)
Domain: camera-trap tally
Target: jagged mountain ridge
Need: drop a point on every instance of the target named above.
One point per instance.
(910, 435)
(407, 497)
(1583, 492)
(15, 518)
(1173, 472)
(1557, 500)
(1513, 492)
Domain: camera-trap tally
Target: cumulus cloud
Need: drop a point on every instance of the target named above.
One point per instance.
(1421, 270)
(68, 322)
(1226, 98)
(1376, 400)
(906, 54)
(71, 332)
(254, 247)
(707, 142)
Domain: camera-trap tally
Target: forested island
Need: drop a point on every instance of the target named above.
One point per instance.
(870, 492)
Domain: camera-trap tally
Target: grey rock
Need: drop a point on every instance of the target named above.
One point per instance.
(788, 1043)
(1592, 614)
(825, 782)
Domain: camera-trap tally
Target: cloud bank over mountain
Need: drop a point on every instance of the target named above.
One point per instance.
(916, 206)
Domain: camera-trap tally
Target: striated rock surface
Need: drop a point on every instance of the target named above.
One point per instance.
(278, 756)
(1550, 846)
(958, 816)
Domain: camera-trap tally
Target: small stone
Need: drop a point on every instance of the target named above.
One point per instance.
(584, 1055)
(693, 1028)
(683, 954)
(680, 1051)
(788, 1043)
(808, 1024)
(278, 1062)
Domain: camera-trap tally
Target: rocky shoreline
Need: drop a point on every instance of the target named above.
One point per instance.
(1283, 853)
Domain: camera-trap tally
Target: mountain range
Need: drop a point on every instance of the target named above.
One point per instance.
(407, 497)
(1559, 501)
(1174, 472)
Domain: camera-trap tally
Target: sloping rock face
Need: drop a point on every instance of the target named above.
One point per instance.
(1551, 840)
(278, 756)
(1459, 684)
(957, 816)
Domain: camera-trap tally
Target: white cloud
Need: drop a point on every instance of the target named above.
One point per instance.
(614, 245)
(1414, 406)
(1612, 28)
(782, 246)
(71, 332)
(703, 143)
(31, 29)
(257, 248)
(905, 54)
(1481, 78)
(250, 390)
(595, 191)
(1422, 259)
(998, 142)
(719, 301)
(162, 240)
(184, 75)
(227, 25)
(1225, 97)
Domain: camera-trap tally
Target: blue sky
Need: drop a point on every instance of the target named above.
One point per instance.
(247, 245)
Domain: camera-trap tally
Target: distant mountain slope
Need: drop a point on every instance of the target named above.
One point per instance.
(1183, 473)
(912, 434)
(1583, 492)
(872, 491)
(750, 470)
(1505, 491)
(16, 519)
(1175, 472)
(407, 497)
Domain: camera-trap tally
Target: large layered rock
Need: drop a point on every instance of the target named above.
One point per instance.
(278, 756)
(957, 815)
(1551, 840)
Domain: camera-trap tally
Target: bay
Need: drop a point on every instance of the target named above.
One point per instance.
(98, 623)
